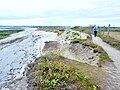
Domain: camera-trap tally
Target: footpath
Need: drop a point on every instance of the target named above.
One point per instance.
(112, 69)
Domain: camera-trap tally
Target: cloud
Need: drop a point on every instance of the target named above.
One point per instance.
(59, 12)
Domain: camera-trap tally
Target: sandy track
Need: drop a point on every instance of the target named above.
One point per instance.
(112, 69)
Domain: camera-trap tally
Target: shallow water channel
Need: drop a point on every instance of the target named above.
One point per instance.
(20, 49)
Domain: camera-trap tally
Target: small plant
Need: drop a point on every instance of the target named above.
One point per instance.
(67, 37)
(68, 32)
(52, 74)
(83, 30)
(62, 57)
(78, 41)
(75, 33)
(91, 44)
(94, 87)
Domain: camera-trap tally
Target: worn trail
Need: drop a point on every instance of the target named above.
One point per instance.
(112, 69)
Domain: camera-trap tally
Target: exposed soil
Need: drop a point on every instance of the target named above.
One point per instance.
(73, 51)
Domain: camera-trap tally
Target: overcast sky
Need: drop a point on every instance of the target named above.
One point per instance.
(60, 12)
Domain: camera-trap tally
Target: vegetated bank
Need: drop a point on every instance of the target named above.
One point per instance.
(87, 42)
(54, 71)
(6, 33)
(103, 57)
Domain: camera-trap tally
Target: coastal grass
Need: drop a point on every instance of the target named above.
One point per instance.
(115, 35)
(54, 72)
(6, 33)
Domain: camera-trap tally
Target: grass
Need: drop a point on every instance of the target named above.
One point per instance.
(115, 35)
(87, 30)
(6, 33)
(78, 40)
(97, 49)
(113, 39)
(103, 55)
(81, 29)
(53, 72)
(74, 34)
(113, 42)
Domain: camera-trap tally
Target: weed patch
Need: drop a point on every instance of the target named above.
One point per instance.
(50, 72)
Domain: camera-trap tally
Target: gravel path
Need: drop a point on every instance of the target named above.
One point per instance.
(112, 69)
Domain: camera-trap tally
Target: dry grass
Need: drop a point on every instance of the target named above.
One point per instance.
(115, 35)
(51, 30)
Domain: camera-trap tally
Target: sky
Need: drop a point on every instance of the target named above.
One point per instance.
(60, 12)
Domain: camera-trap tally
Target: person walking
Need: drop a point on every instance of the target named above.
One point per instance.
(95, 30)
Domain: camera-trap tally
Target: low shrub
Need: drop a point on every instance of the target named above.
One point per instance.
(50, 73)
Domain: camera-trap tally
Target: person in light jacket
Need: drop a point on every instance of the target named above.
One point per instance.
(95, 30)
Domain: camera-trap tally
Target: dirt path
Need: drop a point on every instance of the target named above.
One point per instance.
(112, 69)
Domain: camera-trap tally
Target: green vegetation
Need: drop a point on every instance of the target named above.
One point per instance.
(6, 33)
(74, 34)
(81, 29)
(97, 49)
(103, 55)
(89, 43)
(84, 42)
(115, 29)
(81, 41)
(113, 42)
(53, 72)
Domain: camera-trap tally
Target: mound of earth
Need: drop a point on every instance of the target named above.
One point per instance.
(74, 51)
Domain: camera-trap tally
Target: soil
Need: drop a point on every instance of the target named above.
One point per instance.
(76, 52)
